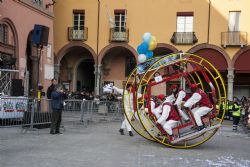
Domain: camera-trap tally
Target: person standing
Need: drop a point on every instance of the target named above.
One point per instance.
(51, 88)
(236, 115)
(57, 105)
(128, 101)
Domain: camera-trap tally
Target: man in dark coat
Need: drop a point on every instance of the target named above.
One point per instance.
(51, 88)
(57, 106)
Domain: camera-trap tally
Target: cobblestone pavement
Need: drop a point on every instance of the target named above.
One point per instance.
(100, 145)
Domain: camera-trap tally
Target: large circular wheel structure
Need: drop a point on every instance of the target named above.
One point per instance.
(183, 69)
(130, 112)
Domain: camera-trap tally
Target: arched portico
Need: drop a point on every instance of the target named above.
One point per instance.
(69, 59)
(242, 72)
(115, 45)
(164, 49)
(116, 61)
(220, 59)
(66, 48)
(13, 51)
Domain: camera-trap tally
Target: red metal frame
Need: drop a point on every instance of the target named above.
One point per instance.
(166, 79)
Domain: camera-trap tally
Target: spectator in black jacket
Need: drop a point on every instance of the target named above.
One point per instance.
(51, 88)
(57, 106)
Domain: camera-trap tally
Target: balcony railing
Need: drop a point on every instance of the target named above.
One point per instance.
(77, 34)
(119, 36)
(184, 38)
(234, 38)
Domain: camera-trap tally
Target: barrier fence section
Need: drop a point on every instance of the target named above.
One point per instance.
(103, 110)
(36, 113)
(91, 110)
(72, 111)
(24, 112)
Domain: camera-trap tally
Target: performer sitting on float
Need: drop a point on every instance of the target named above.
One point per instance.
(181, 97)
(204, 105)
(157, 110)
(169, 117)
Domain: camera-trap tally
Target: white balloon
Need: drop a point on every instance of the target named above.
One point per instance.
(146, 37)
(142, 58)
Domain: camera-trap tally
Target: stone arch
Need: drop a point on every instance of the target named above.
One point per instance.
(239, 53)
(75, 67)
(12, 26)
(164, 45)
(164, 49)
(113, 45)
(214, 47)
(66, 48)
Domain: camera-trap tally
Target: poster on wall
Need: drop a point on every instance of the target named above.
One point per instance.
(48, 71)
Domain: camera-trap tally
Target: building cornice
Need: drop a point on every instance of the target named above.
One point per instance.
(39, 9)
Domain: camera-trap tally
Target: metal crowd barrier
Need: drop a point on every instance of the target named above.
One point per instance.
(91, 110)
(72, 111)
(102, 110)
(24, 112)
(33, 113)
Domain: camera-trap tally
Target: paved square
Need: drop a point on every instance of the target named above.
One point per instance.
(100, 145)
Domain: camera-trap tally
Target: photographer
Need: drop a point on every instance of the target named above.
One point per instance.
(57, 106)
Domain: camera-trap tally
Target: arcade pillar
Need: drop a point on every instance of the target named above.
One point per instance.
(230, 84)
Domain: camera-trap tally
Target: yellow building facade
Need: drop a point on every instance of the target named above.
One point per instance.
(96, 40)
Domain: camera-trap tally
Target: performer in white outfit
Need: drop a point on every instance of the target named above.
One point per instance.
(169, 117)
(180, 96)
(157, 110)
(129, 108)
(204, 105)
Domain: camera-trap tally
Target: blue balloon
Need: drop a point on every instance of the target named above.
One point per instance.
(143, 48)
(139, 50)
(149, 54)
(146, 37)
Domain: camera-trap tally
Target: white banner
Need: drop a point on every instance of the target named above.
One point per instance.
(13, 107)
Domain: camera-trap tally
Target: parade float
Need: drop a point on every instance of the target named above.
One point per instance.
(180, 68)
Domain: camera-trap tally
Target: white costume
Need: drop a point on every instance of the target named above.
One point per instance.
(165, 120)
(128, 106)
(199, 97)
(157, 111)
(179, 100)
(171, 98)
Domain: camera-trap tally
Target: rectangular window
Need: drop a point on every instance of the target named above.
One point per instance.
(120, 20)
(130, 64)
(184, 22)
(78, 19)
(234, 21)
(3, 33)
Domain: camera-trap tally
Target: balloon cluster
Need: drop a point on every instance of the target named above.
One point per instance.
(145, 48)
